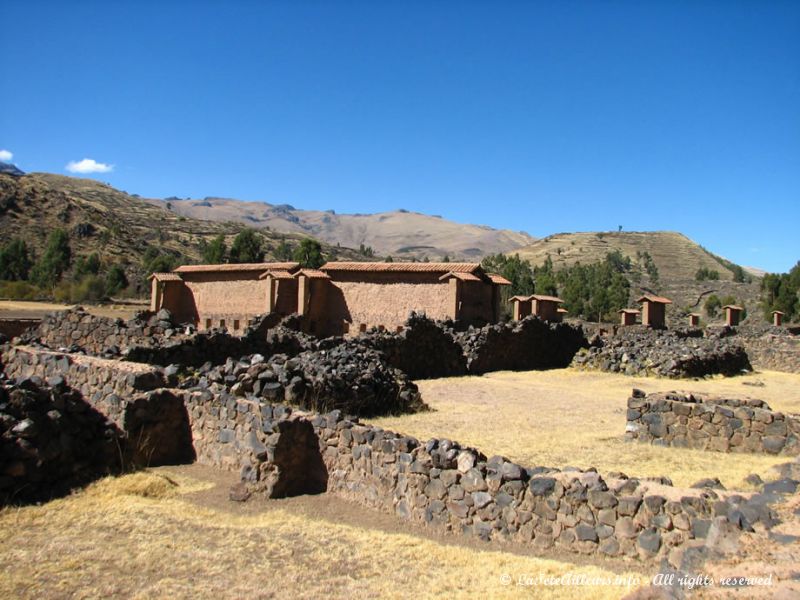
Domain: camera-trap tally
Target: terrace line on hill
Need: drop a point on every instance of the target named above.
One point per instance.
(338, 298)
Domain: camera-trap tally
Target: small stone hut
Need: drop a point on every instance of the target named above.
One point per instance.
(777, 318)
(694, 319)
(654, 311)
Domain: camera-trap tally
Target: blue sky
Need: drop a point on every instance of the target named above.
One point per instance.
(536, 116)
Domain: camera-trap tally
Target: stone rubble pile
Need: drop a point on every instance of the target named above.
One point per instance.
(664, 354)
(347, 377)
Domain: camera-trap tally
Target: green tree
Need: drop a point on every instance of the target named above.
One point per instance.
(56, 258)
(247, 247)
(513, 268)
(704, 273)
(15, 264)
(116, 280)
(86, 265)
(309, 254)
(283, 251)
(214, 253)
(712, 305)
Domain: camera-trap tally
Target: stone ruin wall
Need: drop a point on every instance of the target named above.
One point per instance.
(707, 423)
(277, 452)
(774, 352)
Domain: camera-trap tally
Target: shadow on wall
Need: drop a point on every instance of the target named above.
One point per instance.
(158, 431)
(300, 468)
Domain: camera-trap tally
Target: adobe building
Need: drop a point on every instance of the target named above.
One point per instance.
(777, 318)
(694, 319)
(545, 307)
(338, 298)
(654, 311)
(733, 314)
(521, 306)
(228, 296)
(350, 297)
(627, 316)
(560, 314)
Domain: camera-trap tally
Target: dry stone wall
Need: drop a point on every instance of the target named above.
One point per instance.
(51, 440)
(773, 350)
(711, 423)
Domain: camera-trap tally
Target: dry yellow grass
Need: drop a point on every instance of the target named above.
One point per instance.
(568, 417)
(24, 308)
(139, 536)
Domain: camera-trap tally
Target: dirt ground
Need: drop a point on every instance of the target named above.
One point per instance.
(172, 532)
(21, 309)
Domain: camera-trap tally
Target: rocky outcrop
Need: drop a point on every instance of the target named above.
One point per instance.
(672, 354)
(711, 423)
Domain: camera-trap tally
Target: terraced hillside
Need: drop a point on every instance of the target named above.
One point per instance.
(118, 226)
(676, 257)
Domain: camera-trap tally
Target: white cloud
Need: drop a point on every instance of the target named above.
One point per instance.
(6, 155)
(88, 165)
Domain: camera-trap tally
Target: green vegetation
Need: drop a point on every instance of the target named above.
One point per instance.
(283, 251)
(155, 261)
(645, 260)
(213, 253)
(366, 250)
(56, 259)
(780, 292)
(706, 274)
(596, 291)
(513, 268)
(309, 254)
(247, 247)
(714, 304)
(14, 261)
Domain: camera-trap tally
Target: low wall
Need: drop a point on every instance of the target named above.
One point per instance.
(710, 423)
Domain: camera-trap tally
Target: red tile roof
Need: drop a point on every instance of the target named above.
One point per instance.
(312, 274)
(227, 268)
(402, 267)
(546, 298)
(277, 274)
(629, 311)
(732, 306)
(498, 279)
(460, 276)
(520, 298)
(562, 310)
(166, 277)
(657, 299)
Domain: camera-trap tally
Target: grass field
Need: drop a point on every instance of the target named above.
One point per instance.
(567, 417)
(26, 309)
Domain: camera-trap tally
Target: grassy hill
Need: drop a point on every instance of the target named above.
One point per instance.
(676, 258)
(400, 233)
(120, 227)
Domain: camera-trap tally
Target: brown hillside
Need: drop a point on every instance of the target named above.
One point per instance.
(118, 226)
(400, 233)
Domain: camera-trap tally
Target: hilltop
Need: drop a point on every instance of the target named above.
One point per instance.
(676, 258)
(400, 233)
(120, 227)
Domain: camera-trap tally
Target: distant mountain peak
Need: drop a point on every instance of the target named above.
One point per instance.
(10, 169)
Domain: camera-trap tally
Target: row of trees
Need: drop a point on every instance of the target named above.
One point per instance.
(595, 291)
(46, 275)
(248, 247)
(782, 292)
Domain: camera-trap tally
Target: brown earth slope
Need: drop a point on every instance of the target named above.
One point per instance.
(399, 233)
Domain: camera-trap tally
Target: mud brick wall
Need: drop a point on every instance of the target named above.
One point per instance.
(709, 423)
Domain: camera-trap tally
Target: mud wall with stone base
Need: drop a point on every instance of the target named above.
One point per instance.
(711, 423)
